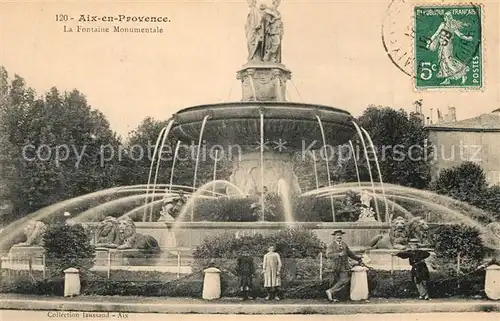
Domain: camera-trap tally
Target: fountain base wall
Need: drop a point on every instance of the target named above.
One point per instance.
(192, 234)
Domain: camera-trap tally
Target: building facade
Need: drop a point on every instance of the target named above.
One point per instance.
(476, 139)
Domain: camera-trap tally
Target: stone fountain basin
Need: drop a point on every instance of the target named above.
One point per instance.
(239, 123)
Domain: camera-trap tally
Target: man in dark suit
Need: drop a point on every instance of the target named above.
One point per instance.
(338, 254)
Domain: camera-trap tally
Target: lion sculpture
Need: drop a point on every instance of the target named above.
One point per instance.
(130, 239)
(419, 229)
(34, 231)
(493, 235)
(107, 235)
(397, 238)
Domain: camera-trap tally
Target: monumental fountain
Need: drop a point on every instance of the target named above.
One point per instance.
(121, 218)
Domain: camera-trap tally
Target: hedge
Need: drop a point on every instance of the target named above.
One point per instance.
(381, 285)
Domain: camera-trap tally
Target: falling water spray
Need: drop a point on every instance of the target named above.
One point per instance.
(198, 157)
(360, 134)
(327, 165)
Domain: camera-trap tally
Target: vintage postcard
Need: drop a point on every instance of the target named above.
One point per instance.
(261, 158)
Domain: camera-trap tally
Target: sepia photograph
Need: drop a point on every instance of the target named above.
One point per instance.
(252, 159)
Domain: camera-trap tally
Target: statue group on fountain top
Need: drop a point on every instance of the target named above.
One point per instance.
(264, 31)
(172, 205)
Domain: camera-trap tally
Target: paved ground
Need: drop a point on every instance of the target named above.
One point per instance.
(44, 315)
(232, 306)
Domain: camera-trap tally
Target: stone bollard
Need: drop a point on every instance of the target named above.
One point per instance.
(359, 283)
(71, 282)
(492, 282)
(211, 284)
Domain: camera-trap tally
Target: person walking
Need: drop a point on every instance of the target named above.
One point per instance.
(338, 254)
(271, 268)
(245, 269)
(419, 269)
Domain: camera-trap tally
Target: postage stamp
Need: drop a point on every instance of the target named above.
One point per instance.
(448, 46)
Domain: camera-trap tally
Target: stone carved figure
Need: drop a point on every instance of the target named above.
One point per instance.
(399, 233)
(397, 238)
(493, 235)
(349, 202)
(264, 31)
(172, 205)
(367, 214)
(418, 228)
(107, 235)
(366, 198)
(130, 239)
(34, 231)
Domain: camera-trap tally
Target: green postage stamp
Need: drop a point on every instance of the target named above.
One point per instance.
(448, 47)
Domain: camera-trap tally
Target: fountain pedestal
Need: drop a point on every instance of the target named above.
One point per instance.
(263, 81)
(247, 173)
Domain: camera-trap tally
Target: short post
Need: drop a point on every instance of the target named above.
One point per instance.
(211, 284)
(492, 282)
(178, 264)
(71, 282)
(30, 265)
(359, 283)
(44, 268)
(109, 265)
(321, 266)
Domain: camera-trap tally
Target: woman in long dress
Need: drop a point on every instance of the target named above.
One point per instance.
(450, 68)
(271, 268)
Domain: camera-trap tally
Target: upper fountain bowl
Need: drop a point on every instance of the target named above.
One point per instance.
(239, 123)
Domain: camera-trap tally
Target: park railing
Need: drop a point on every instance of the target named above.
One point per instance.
(172, 264)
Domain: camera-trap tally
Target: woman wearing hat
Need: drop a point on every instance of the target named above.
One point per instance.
(338, 253)
(419, 270)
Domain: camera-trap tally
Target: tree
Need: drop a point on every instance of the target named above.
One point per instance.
(7, 168)
(458, 242)
(139, 150)
(466, 182)
(56, 143)
(401, 144)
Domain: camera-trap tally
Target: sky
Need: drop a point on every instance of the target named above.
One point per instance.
(333, 48)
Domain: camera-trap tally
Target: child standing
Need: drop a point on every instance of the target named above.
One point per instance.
(271, 268)
(419, 270)
(245, 269)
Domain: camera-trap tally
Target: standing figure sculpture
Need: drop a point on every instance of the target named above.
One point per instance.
(450, 67)
(367, 213)
(264, 32)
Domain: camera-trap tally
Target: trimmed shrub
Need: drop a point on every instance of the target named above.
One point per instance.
(67, 246)
(290, 243)
(451, 241)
